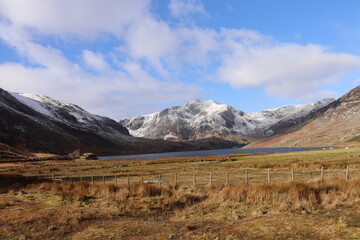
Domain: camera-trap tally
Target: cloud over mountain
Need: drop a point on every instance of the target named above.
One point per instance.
(107, 53)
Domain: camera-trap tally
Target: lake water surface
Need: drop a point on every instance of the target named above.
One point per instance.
(205, 153)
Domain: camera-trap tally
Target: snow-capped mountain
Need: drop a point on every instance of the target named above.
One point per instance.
(336, 124)
(70, 114)
(35, 123)
(202, 119)
(274, 121)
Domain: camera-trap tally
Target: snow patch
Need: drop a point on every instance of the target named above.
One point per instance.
(170, 136)
(61, 112)
(205, 118)
(33, 104)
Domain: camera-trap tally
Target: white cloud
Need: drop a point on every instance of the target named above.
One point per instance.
(181, 8)
(285, 70)
(152, 54)
(94, 60)
(116, 93)
(318, 95)
(197, 45)
(82, 18)
(151, 40)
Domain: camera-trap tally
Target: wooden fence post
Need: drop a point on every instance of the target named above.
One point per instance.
(227, 181)
(322, 173)
(246, 176)
(175, 180)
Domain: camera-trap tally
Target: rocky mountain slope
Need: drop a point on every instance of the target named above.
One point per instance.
(71, 115)
(39, 123)
(201, 119)
(336, 124)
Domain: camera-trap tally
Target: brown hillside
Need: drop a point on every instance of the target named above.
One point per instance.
(338, 124)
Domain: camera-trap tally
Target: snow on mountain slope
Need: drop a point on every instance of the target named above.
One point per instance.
(193, 120)
(335, 125)
(35, 105)
(268, 118)
(201, 119)
(36, 123)
(69, 114)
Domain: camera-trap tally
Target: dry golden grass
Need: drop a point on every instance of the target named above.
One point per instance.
(82, 190)
(55, 210)
(294, 196)
(150, 168)
(32, 208)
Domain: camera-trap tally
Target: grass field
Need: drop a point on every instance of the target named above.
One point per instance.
(306, 166)
(303, 209)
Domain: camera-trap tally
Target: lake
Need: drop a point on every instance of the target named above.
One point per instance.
(205, 153)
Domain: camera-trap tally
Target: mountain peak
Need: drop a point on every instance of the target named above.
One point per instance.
(207, 106)
(352, 96)
(69, 114)
(208, 118)
(43, 99)
(203, 102)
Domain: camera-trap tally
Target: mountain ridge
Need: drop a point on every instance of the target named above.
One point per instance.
(35, 123)
(40, 123)
(69, 114)
(337, 124)
(200, 119)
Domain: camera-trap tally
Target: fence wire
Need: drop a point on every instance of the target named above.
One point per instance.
(231, 177)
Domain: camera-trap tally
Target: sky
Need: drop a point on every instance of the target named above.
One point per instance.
(123, 58)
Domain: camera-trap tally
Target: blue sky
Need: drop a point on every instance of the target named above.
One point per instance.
(131, 57)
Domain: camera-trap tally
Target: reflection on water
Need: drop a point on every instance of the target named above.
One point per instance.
(204, 153)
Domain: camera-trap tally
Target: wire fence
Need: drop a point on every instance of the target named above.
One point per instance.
(230, 177)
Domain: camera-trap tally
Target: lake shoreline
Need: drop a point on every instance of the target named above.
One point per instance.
(209, 153)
